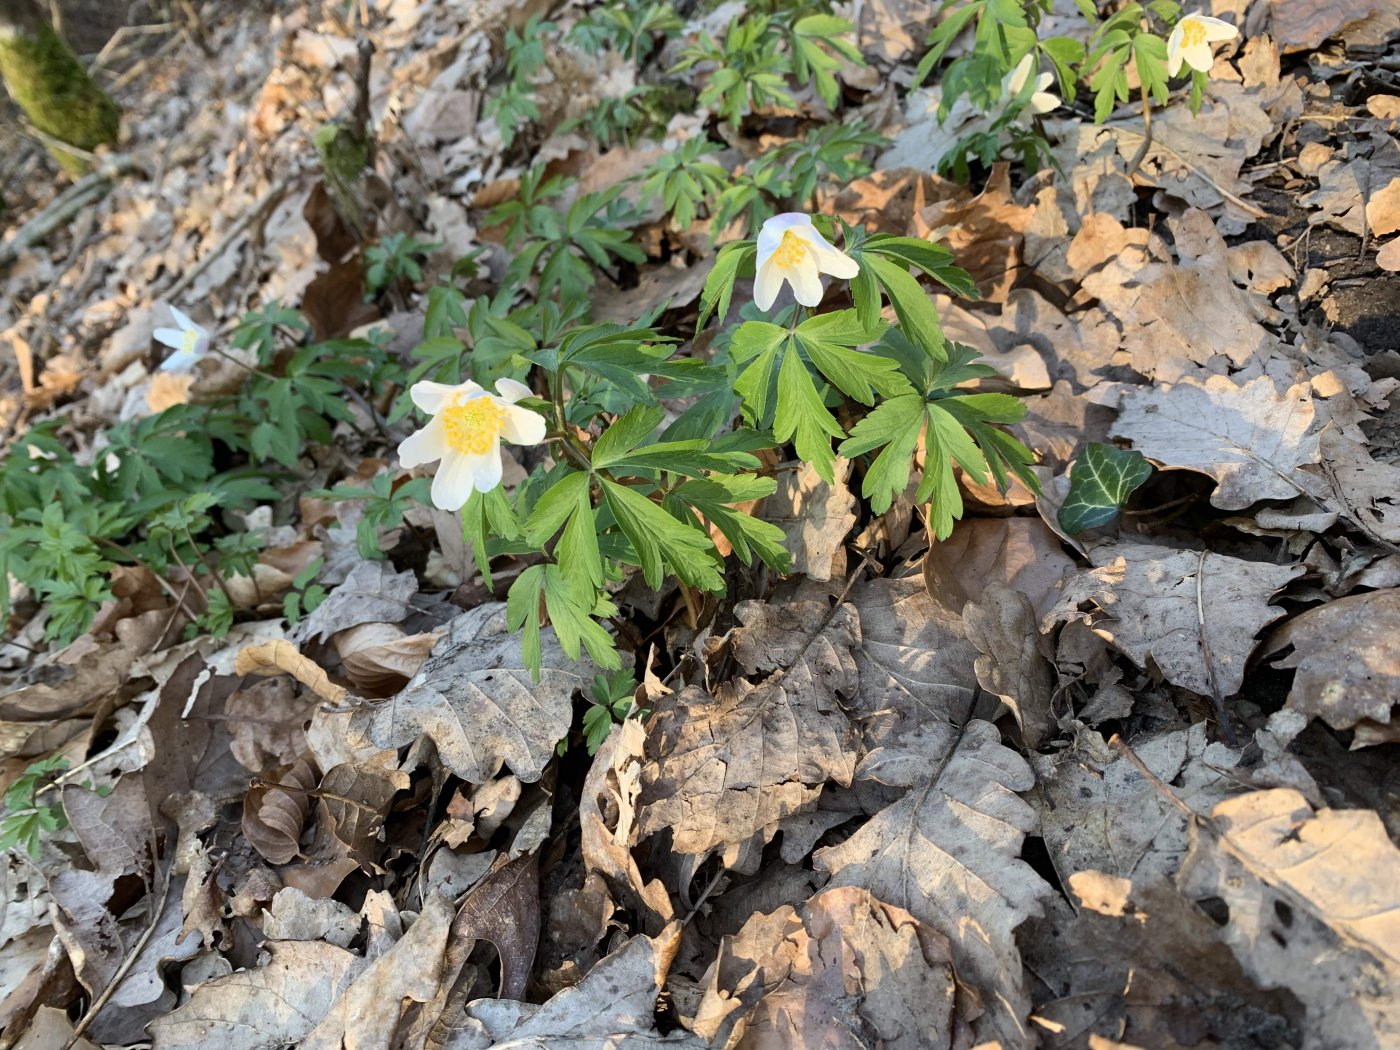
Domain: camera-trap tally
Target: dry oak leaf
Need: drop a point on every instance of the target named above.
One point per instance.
(1314, 906)
(476, 700)
(1194, 614)
(1347, 659)
(1301, 25)
(1251, 439)
(372, 593)
(814, 516)
(275, 1005)
(612, 1008)
(846, 973)
(726, 767)
(948, 852)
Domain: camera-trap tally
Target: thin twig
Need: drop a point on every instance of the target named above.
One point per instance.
(90, 189)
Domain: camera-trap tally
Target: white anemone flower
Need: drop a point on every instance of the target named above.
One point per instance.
(189, 342)
(1191, 39)
(465, 433)
(1041, 101)
(790, 249)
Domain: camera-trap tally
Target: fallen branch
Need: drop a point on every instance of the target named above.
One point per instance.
(90, 189)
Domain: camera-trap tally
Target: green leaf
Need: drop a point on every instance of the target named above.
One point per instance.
(803, 418)
(896, 425)
(1100, 482)
(572, 622)
(523, 614)
(661, 541)
(746, 534)
(626, 433)
(719, 286)
(828, 339)
(911, 304)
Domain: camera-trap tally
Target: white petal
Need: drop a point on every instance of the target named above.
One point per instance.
(1199, 56)
(424, 446)
(180, 361)
(512, 390)
(1044, 102)
(835, 262)
(454, 480)
(523, 427)
(183, 321)
(1014, 81)
(171, 337)
(806, 282)
(1218, 28)
(1174, 49)
(430, 396)
(488, 469)
(767, 284)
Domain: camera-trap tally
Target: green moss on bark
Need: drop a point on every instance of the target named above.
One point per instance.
(48, 82)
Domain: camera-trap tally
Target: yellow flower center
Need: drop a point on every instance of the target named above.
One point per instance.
(1193, 33)
(790, 251)
(189, 341)
(474, 426)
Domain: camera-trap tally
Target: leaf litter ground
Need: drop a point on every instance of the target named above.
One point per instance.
(1132, 786)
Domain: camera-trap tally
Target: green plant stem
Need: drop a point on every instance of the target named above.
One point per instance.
(1141, 154)
(178, 599)
(213, 572)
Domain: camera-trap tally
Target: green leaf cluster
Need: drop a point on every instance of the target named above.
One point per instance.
(27, 820)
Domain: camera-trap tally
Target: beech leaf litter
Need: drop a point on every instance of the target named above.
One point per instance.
(1115, 764)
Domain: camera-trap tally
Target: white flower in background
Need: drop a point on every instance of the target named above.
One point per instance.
(1191, 39)
(189, 342)
(465, 433)
(790, 249)
(1041, 101)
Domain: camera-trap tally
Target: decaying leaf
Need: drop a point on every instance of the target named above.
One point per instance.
(1313, 905)
(813, 515)
(273, 816)
(726, 767)
(1193, 614)
(1013, 664)
(372, 593)
(1344, 684)
(948, 852)
(1251, 439)
(476, 700)
(846, 972)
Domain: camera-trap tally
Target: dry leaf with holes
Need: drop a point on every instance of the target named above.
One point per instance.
(1194, 615)
(948, 852)
(726, 766)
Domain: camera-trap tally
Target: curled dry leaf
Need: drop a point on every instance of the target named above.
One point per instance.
(726, 767)
(1195, 615)
(948, 852)
(1314, 905)
(1344, 685)
(848, 972)
(380, 658)
(354, 803)
(1250, 438)
(280, 656)
(477, 701)
(274, 816)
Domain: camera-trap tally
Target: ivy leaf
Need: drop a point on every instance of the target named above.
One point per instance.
(1100, 482)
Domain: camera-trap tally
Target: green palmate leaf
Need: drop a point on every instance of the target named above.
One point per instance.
(488, 514)
(626, 433)
(733, 259)
(803, 418)
(1150, 57)
(911, 303)
(661, 542)
(895, 424)
(573, 621)
(1100, 482)
(828, 339)
(746, 534)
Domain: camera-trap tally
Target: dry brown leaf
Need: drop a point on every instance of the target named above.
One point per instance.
(1021, 553)
(372, 593)
(608, 822)
(1249, 437)
(726, 767)
(847, 972)
(915, 662)
(1301, 25)
(276, 1004)
(354, 804)
(267, 720)
(1193, 614)
(280, 656)
(1345, 684)
(479, 703)
(1014, 664)
(1138, 962)
(984, 233)
(293, 916)
(1346, 187)
(948, 852)
(1388, 255)
(814, 516)
(274, 816)
(1314, 906)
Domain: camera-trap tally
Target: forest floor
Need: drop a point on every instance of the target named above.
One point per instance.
(1132, 786)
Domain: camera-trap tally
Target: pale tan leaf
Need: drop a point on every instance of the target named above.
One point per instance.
(846, 973)
(1314, 906)
(372, 593)
(813, 515)
(380, 658)
(1344, 684)
(478, 702)
(277, 1004)
(1014, 664)
(1193, 614)
(948, 852)
(1250, 438)
(727, 767)
(280, 656)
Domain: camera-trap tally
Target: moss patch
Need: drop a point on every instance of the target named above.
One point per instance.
(47, 81)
